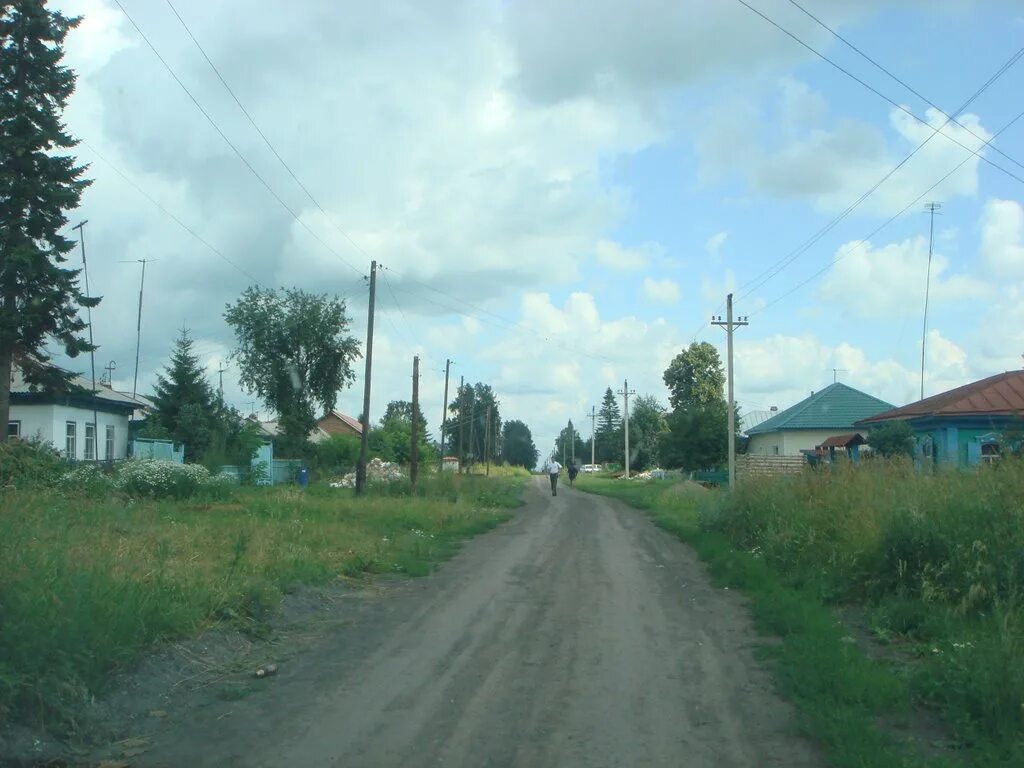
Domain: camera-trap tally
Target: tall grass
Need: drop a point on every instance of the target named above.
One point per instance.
(937, 560)
(86, 585)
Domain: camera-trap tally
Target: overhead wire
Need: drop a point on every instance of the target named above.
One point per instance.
(766, 275)
(860, 243)
(895, 78)
(877, 92)
(232, 145)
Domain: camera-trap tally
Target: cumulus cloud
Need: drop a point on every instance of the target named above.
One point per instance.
(833, 165)
(664, 291)
(1002, 238)
(615, 256)
(890, 280)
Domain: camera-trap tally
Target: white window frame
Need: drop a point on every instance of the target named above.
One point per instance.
(89, 447)
(16, 423)
(108, 442)
(71, 439)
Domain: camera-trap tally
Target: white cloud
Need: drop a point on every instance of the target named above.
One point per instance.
(1002, 238)
(615, 256)
(833, 166)
(714, 244)
(664, 291)
(890, 280)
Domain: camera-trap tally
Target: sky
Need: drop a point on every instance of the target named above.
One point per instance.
(562, 192)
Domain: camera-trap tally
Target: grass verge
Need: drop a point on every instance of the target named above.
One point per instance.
(87, 585)
(929, 560)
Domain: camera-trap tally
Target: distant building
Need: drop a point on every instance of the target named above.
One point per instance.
(964, 426)
(338, 423)
(831, 412)
(82, 423)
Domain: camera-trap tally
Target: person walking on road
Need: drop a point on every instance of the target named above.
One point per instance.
(554, 468)
(573, 471)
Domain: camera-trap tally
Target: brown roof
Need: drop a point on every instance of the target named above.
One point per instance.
(352, 423)
(999, 395)
(844, 441)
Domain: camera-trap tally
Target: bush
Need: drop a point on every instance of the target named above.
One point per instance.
(29, 464)
(157, 479)
(88, 480)
(893, 439)
(338, 454)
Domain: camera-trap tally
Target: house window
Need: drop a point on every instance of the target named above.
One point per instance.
(990, 452)
(90, 441)
(14, 429)
(775, 450)
(109, 455)
(70, 434)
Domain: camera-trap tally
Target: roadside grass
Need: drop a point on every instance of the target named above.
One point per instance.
(933, 562)
(86, 585)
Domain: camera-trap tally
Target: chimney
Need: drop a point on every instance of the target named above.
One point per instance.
(774, 408)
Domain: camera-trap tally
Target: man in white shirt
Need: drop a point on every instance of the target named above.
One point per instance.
(554, 468)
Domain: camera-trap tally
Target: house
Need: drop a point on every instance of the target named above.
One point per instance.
(71, 419)
(964, 426)
(338, 423)
(831, 412)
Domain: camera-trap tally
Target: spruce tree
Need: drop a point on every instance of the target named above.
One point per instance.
(184, 399)
(39, 298)
(608, 444)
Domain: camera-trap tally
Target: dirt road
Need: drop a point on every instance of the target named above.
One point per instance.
(576, 635)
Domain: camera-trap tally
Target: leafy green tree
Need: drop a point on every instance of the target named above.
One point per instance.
(184, 400)
(233, 438)
(608, 435)
(338, 453)
(294, 352)
(646, 424)
(695, 377)
(696, 438)
(517, 446)
(39, 185)
(894, 438)
(575, 442)
(392, 439)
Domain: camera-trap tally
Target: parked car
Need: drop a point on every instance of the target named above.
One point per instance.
(590, 468)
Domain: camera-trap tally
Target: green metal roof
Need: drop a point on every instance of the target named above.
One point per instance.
(837, 406)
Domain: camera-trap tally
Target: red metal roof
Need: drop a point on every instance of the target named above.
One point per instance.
(844, 441)
(999, 395)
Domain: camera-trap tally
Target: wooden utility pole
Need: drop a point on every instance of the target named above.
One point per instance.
(462, 424)
(414, 451)
(364, 438)
(444, 413)
(593, 432)
(730, 325)
(626, 393)
(472, 431)
(487, 441)
(572, 443)
(220, 379)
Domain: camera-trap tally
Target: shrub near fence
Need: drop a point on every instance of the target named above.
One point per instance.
(938, 559)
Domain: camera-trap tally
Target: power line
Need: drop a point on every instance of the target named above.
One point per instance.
(170, 215)
(886, 71)
(881, 95)
(860, 243)
(231, 144)
(780, 265)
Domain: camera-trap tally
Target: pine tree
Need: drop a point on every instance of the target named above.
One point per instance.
(39, 299)
(607, 440)
(184, 399)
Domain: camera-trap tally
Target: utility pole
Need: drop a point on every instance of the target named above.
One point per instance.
(593, 432)
(444, 412)
(220, 379)
(487, 442)
(364, 438)
(414, 451)
(572, 443)
(462, 424)
(109, 368)
(472, 431)
(931, 208)
(626, 393)
(730, 326)
(92, 351)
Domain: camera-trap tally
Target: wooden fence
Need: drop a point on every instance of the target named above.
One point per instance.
(755, 465)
